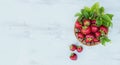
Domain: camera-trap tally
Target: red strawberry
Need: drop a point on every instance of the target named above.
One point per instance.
(86, 22)
(85, 30)
(93, 21)
(73, 56)
(95, 40)
(94, 28)
(103, 29)
(79, 49)
(89, 38)
(78, 25)
(80, 35)
(97, 34)
(73, 47)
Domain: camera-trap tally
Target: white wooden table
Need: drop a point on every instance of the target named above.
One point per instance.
(39, 32)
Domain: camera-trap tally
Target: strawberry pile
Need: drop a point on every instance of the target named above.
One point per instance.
(92, 25)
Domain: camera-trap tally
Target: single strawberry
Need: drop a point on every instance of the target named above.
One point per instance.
(93, 21)
(94, 28)
(73, 47)
(85, 30)
(80, 35)
(78, 25)
(95, 40)
(89, 38)
(103, 29)
(86, 22)
(79, 49)
(97, 34)
(73, 56)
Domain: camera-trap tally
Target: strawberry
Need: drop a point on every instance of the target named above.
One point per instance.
(94, 28)
(78, 25)
(97, 34)
(73, 56)
(79, 49)
(86, 22)
(95, 40)
(80, 35)
(93, 21)
(73, 47)
(103, 29)
(89, 38)
(85, 30)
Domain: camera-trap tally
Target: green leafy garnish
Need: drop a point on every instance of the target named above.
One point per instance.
(104, 39)
(96, 12)
(110, 15)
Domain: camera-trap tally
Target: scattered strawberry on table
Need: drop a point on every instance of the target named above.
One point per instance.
(73, 56)
(79, 49)
(92, 25)
(73, 48)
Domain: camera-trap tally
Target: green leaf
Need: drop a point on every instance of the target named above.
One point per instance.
(104, 39)
(77, 14)
(98, 22)
(95, 6)
(91, 15)
(107, 40)
(106, 18)
(101, 10)
(80, 18)
(107, 24)
(87, 9)
(85, 13)
(103, 42)
(111, 24)
(110, 15)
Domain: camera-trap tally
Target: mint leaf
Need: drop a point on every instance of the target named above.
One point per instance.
(80, 17)
(91, 15)
(87, 9)
(77, 14)
(85, 13)
(98, 22)
(106, 18)
(107, 40)
(95, 6)
(111, 24)
(101, 10)
(105, 23)
(103, 42)
(110, 15)
(104, 39)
